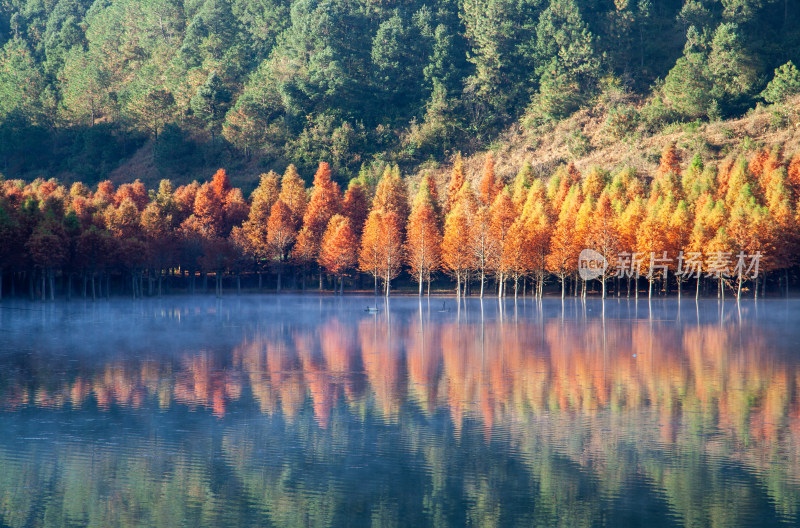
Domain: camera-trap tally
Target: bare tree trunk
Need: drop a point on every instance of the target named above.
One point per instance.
(786, 277)
(52, 285)
(421, 279)
(94, 292)
(483, 279)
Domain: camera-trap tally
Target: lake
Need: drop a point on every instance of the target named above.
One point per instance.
(310, 411)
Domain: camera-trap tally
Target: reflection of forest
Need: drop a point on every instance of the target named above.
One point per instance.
(556, 422)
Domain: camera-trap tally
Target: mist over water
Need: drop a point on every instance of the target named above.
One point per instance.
(311, 411)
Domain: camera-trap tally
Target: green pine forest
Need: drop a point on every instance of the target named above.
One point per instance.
(177, 88)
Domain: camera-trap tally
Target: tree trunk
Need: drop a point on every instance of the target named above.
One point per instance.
(52, 285)
(421, 279)
(320, 280)
(376, 284)
(44, 285)
(786, 277)
(280, 266)
(603, 280)
(563, 286)
(458, 286)
(94, 292)
(483, 279)
(341, 285)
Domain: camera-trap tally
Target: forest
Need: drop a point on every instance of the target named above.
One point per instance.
(524, 233)
(182, 87)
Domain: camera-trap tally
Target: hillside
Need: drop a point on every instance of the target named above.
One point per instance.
(125, 89)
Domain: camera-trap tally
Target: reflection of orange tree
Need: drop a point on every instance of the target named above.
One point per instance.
(673, 405)
(499, 374)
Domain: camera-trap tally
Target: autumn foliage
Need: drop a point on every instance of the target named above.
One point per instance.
(488, 230)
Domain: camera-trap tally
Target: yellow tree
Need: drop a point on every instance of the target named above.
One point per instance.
(391, 195)
(538, 231)
(784, 243)
(369, 257)
(603, 236)
(679, 236)
(562, 260)
(457, 180)
(480, 241)
(521, 185)
(424, 240)
(254, 229)
(490, 185)
(501, 260)
(628, 222)
(652, 242)
(582, 224)
(390, 248)
(456, 255)
(293, 194)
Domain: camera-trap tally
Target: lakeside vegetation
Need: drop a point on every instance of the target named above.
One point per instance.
(525, 233)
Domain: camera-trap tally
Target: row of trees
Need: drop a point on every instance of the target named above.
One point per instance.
(528, 230)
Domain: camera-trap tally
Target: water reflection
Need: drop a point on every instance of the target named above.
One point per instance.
(310, 411)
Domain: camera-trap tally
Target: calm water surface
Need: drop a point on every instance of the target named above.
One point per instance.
(308, 411)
